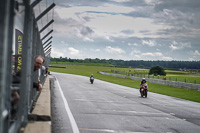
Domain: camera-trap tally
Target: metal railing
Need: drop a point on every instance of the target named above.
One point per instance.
(6, 24)
(32, 45)
(170, 83)
(159, 81)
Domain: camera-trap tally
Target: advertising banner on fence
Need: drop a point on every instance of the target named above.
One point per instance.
(18, 50)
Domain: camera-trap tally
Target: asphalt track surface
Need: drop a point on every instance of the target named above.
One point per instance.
(102, 107)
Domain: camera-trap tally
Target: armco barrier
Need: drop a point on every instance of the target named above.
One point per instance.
(158, 81)
(114, 75)
(170, 83)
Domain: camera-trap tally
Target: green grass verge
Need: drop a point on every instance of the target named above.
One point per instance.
(187, 94)
(179, 76)
(81, 64)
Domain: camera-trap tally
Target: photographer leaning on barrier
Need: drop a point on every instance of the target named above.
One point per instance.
(38, 62)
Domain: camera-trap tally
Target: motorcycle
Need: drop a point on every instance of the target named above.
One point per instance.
(144, 90)
(91, 80)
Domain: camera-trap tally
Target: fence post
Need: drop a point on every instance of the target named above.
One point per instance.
(26, 66)
(6, 36)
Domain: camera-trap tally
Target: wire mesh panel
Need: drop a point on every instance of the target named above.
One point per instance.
(17, 61)
(6, 26)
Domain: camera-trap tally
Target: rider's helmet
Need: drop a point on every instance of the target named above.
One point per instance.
(143, 79)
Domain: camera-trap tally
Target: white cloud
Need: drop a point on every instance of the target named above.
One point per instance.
(149, 1)
(109, 39)
(179, 45)
(62, 42)
(78, 12)
(73, 51)
(173, 47)
(134, 56)
(137, 56)
(112, 50)
(149, 43)
(191, 59)
(157, 49)
(133, 44)
(95, 50)
(153, 24)
(87, 39)
(196, 52)
(114, 24)
(107, 20)
(120, 0)
(155, 56)
(175, 16)
(134, 52)
(84, 33)
(167, 58)
(56, 53)
(152, 54)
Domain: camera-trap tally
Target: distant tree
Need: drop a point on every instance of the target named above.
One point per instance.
(157, 70)
(71, 60)
(140, 66)
(175, 65)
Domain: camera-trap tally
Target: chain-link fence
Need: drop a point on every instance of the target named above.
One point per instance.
(21, 39)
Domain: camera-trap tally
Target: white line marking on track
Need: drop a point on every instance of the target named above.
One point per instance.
(71, 118)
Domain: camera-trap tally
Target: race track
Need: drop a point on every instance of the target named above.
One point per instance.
(102, 107)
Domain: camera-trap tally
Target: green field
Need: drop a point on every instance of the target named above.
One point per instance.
(179, 76)
(81, 64)
(86, 70)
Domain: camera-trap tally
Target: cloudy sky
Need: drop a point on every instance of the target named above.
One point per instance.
(127, 29)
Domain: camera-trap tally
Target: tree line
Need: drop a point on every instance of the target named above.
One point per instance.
(136, 63)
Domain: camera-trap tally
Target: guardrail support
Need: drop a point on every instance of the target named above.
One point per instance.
(45, 11)
(47, 48)
(35, 3)
(47, 40)
(48, 51)
(48, 44)
(46, 25)
(47, 34)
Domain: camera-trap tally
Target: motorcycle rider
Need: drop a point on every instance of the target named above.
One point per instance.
(91, 78)
(143, 81)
